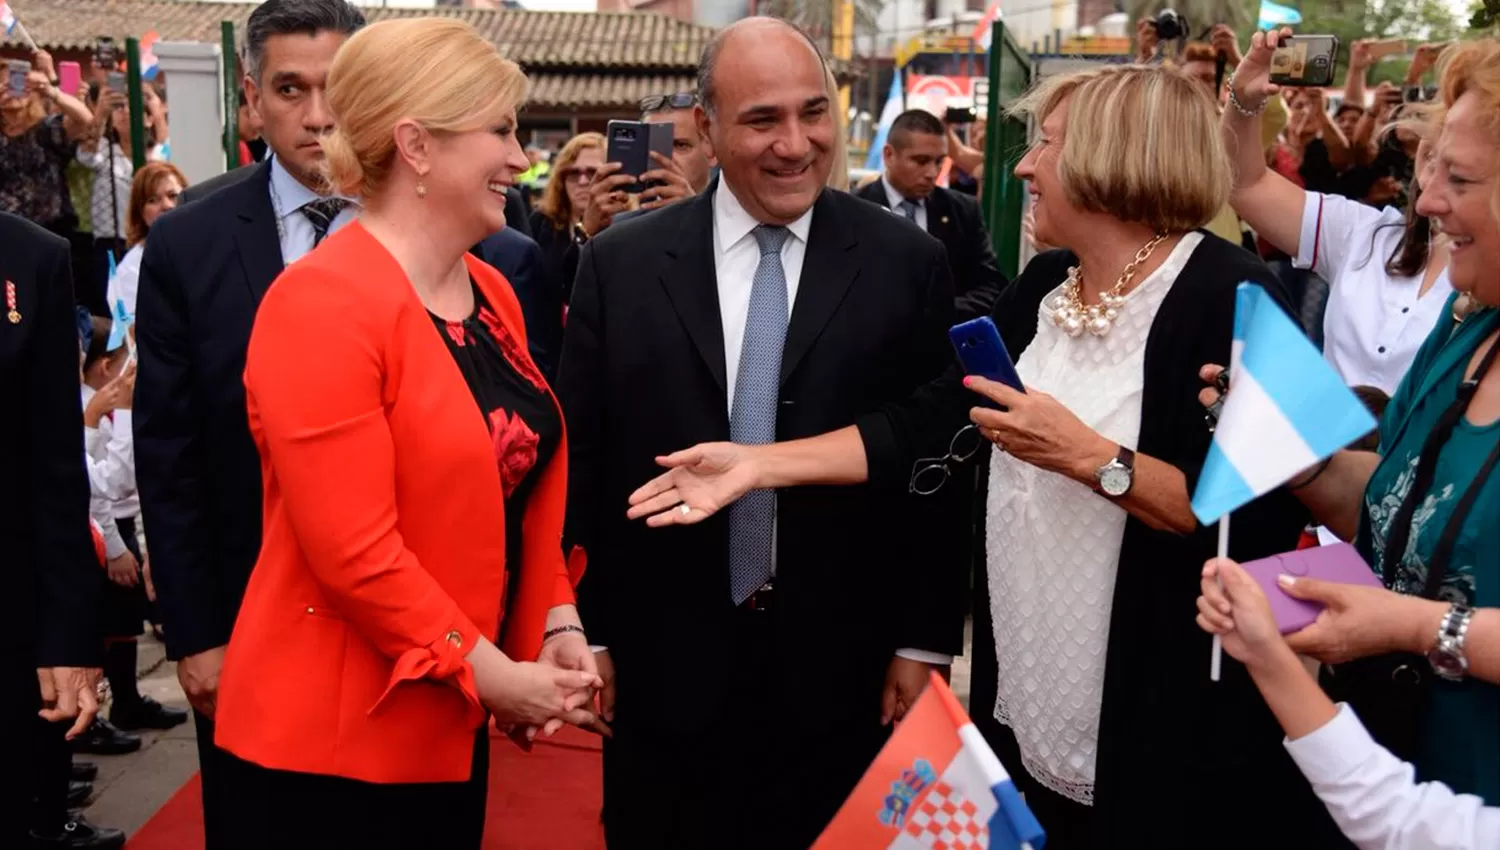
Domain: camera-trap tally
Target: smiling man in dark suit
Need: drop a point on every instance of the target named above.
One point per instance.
(914, 154)
(206, 267)
(753, 662)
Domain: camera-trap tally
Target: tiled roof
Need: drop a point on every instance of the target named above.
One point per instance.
(628, 41)
(552, 91)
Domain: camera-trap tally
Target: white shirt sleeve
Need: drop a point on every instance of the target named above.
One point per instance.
(1375, 799)
(101, 512)
(94, 159)
(111, 458)
(1336, 232)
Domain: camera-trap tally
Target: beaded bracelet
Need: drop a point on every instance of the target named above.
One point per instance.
(560, 630)
(1234, 100)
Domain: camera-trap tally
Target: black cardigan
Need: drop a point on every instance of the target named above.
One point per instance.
(1182, 761)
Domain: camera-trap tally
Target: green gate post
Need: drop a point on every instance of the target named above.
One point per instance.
(231, 97)
(137, 117)
(1004, 145)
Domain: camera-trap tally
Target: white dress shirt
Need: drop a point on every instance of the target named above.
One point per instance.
(894, 199)
(109, 456)
(1375, 321)
(288, 197)
(1375, 799)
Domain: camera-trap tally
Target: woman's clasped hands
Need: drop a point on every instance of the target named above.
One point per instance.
(527, 697)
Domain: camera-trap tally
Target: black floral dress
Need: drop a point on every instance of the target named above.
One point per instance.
(524, 423)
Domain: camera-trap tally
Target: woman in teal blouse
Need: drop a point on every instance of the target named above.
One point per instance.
(1425, 510)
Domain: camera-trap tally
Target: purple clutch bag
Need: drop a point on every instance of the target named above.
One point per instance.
(1337, 563)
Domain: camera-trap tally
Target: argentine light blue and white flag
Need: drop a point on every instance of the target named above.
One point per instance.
(1286, 410)
(1276, 15)
(120, 317)
(875, 159)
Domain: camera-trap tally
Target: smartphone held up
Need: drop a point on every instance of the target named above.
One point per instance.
(1305, 60)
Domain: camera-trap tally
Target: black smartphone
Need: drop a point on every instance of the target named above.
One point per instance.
(1305, 60)
(959, 115)
(630, 143)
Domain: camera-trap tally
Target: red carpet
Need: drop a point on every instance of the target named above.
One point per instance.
(541, 800)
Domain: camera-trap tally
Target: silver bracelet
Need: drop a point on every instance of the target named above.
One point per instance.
(1234, 100)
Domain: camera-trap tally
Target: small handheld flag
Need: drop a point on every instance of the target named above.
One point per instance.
(1276, 15)
(9, 24)
(120, 320)
(876, 155)
(1286, 410)
(936, 783)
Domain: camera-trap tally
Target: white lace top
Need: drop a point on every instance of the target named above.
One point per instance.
(1054, 545)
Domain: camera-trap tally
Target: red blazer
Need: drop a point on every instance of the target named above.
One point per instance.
(383, 558)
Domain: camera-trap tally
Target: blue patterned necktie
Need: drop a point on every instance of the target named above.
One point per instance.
(909, 209)
(321, 213)
(752, 418)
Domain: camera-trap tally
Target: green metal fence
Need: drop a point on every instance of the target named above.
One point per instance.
(1004, 145)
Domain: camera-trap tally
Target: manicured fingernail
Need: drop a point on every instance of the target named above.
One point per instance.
(968, 381)
(1285, 580)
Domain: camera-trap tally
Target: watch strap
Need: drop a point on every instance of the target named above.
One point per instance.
(1126, 458)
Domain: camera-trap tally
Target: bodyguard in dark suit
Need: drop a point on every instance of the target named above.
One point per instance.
(517, 256)
(913, 156)
(205, 269)
(751, 660)
(48, 625)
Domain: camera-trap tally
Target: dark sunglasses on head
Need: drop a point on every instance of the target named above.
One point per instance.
(657, 102)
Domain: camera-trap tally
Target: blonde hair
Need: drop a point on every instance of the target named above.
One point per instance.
(1474, 67)
(838, 174)
(554, 204)
(1171, 174)
(438, 72)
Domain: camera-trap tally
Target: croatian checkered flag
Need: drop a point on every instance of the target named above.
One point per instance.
(936, 785)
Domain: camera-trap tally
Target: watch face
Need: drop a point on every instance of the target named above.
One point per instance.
(1115, 480)
(1449, 665)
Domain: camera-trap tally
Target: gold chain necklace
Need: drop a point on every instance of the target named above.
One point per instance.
(1073, 316)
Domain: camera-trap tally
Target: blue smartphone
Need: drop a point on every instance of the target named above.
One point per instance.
(981, 352)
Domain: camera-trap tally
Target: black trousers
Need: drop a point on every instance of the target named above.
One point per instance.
(269, 809)
(764, 774)
(35, 760)
(218, 826)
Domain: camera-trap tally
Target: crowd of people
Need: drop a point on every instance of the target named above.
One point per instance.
(419, 453)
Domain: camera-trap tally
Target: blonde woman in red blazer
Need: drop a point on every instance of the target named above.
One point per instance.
(411, 581)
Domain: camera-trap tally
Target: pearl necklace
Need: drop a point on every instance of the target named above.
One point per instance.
(1073, 316)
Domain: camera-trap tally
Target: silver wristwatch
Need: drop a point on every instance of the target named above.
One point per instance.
(1117, 476)
(1447, 657)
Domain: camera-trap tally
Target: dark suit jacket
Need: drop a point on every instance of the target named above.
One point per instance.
(519, 259)
(206, 266)
(643, 374)
(955, 219)
(49, 565)
(217, 182)
(517, 212)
